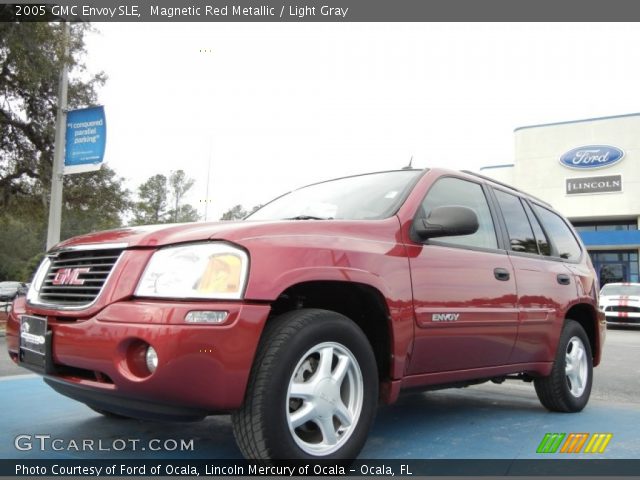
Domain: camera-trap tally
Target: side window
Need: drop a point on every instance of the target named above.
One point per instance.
(520, 234)
(559, 233)
(541, 238)
(454, 191)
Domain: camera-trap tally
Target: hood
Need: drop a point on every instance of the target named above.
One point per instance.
(238, 231)
(619, 298)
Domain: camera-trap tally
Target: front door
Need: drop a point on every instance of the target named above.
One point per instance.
(464, 290)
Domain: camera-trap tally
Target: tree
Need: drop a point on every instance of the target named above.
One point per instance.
(238, 212)
(151, 207)
(180, 184)
(153, 200)
(31, 57)
(186, 213)
(234, 213)
(93, 201)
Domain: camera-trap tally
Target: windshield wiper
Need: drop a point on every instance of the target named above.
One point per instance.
(308, 217)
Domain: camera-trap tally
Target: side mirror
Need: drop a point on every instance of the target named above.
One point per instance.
(447, 221)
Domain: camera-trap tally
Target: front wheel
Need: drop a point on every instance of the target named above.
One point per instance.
(313, 390)
(568, 387)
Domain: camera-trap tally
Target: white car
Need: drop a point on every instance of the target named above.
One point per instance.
(621, 303)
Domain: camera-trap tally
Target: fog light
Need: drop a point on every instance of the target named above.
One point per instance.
(206, 316)
(152, 359)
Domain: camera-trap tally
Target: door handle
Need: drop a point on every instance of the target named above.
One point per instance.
(564, 279)
(501, 274)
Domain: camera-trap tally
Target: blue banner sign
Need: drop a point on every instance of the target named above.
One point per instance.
(592, 156)
(86, 140)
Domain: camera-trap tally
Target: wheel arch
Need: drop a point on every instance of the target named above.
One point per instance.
(363, 304)
(586, 315)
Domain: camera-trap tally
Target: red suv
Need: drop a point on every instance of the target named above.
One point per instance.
(298, 320)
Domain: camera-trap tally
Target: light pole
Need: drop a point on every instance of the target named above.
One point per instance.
(55, 202)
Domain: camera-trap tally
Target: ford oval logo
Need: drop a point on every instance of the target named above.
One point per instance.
(592, 156)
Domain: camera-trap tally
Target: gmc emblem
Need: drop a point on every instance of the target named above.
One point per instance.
(69, 276)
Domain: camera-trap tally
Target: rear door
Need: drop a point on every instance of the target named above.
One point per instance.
(544, 283)
(464, 289)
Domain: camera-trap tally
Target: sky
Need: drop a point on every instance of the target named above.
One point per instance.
(269, 107)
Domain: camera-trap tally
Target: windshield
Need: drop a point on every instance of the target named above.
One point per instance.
(364, 197)
(613, 289)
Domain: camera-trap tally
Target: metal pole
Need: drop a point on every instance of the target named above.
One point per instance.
(206, 199)
(55, 202)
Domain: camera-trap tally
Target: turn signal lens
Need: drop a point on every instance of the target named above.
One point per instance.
(222, 275)
(206, 317)
(152, 359)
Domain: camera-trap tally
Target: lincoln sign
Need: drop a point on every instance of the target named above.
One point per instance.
(608, 184)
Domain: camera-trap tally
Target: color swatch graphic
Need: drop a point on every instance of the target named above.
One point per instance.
(574, 443)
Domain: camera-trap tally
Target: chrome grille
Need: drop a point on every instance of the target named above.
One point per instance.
(622, 308)
(76, 277)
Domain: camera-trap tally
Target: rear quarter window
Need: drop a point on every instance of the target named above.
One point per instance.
(559, 233)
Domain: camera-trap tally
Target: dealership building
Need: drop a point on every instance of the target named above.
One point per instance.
(589, 170)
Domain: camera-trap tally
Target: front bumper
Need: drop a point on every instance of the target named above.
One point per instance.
(622, 318)
(202, 369)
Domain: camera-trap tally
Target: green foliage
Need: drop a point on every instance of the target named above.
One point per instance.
(179, 184)
(93, 201)
(31, 57)
(186, 213)
(20, 239)
(31, 266)
(151, 208)
(154, 195)
(238, 212)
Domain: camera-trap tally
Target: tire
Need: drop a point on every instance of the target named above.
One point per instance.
(312, 392)
(568, 387)
(108, 414)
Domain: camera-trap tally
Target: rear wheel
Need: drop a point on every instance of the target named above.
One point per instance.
(313, 390)
(568, 387)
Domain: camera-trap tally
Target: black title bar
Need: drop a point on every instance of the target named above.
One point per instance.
(326, 11)
(387, 468)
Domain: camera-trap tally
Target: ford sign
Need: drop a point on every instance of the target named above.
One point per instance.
(592, 156)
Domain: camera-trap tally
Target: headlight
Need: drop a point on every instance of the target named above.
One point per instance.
(38, 280)
(201, 270)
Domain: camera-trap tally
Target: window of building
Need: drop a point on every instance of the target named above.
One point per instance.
(454, 191)
(566, 244)
(605, 226)
(616, 266)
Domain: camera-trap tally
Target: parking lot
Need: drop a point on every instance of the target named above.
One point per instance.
(481, 422)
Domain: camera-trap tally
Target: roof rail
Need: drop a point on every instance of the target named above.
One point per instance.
(506, 185)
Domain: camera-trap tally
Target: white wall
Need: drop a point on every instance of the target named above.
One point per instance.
(538, 170)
